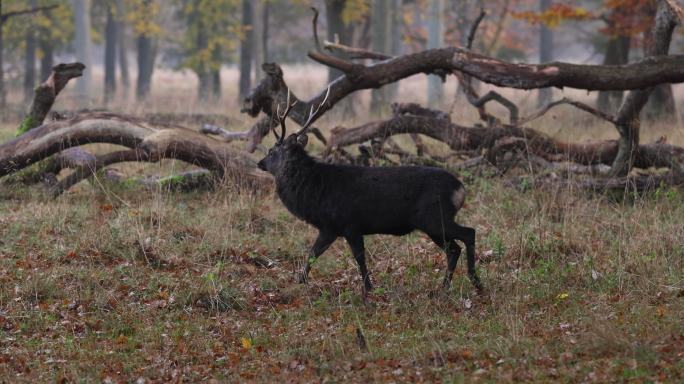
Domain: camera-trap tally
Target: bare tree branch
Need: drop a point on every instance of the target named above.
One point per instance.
(576, 104)
(473, 28)
(5, 16)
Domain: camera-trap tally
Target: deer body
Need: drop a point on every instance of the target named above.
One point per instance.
(343, 199)
(353, 201)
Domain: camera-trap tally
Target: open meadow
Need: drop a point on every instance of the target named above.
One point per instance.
(120, 283)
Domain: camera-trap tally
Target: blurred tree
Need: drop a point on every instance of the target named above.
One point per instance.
(212, 28)
(381, 41)
(435, 40)
(30, 60)
(545, 52)
(624, 20)
(246, 49)
(16, 34)
(111, 36)
(142, 16)
(54, 32)
(628, 23)
(341, 18)
(83, 46)
(122, 51)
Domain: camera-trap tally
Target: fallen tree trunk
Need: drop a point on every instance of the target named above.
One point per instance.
(146, 142)
(461, 138)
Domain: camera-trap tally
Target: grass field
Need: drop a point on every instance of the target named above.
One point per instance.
(114, 283)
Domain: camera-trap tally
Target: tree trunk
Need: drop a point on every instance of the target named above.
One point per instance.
(396, 20)
(83, 47)
(110, 56)
(3, 95)
(661, 105)
(48, 59)
(435, 40)
(246, 47)
(203, 85)
(30, 61)
(381, 25)
(617, 53)
(152, 143)
(216, 84)
(264, 35)
(121, 45)
(336, 30)
(628, 119)
(258, 49)
(545, 53)
(145, 66)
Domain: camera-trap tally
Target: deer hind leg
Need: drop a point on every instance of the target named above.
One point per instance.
(445, 234)
(322, 243)
(453, 252)
(357, 248)
(467, 236)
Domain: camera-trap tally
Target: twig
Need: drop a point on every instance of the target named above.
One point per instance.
(473, 28)
(314, 23)
(355, 53)
(576, 104)
(471, 95)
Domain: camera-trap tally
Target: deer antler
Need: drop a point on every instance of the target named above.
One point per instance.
(313, 114)
(282, 118)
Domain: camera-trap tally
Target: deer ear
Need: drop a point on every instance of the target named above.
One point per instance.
(302, 140)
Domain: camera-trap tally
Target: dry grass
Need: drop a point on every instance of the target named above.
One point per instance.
(114, 283)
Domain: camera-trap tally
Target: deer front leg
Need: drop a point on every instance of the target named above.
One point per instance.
(322, 243)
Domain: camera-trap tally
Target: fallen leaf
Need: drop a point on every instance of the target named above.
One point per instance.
(246, 343)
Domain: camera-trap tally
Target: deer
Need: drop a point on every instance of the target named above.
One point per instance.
(351, 201)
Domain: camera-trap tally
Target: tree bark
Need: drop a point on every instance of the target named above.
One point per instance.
(110, 56)
(246, 49)
(435, 40)
(545, 52)
(83, 47)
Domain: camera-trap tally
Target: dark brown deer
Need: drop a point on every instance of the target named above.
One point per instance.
(353, 201)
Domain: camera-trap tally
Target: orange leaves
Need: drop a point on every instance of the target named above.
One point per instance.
(629, 17)
(554, 15)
